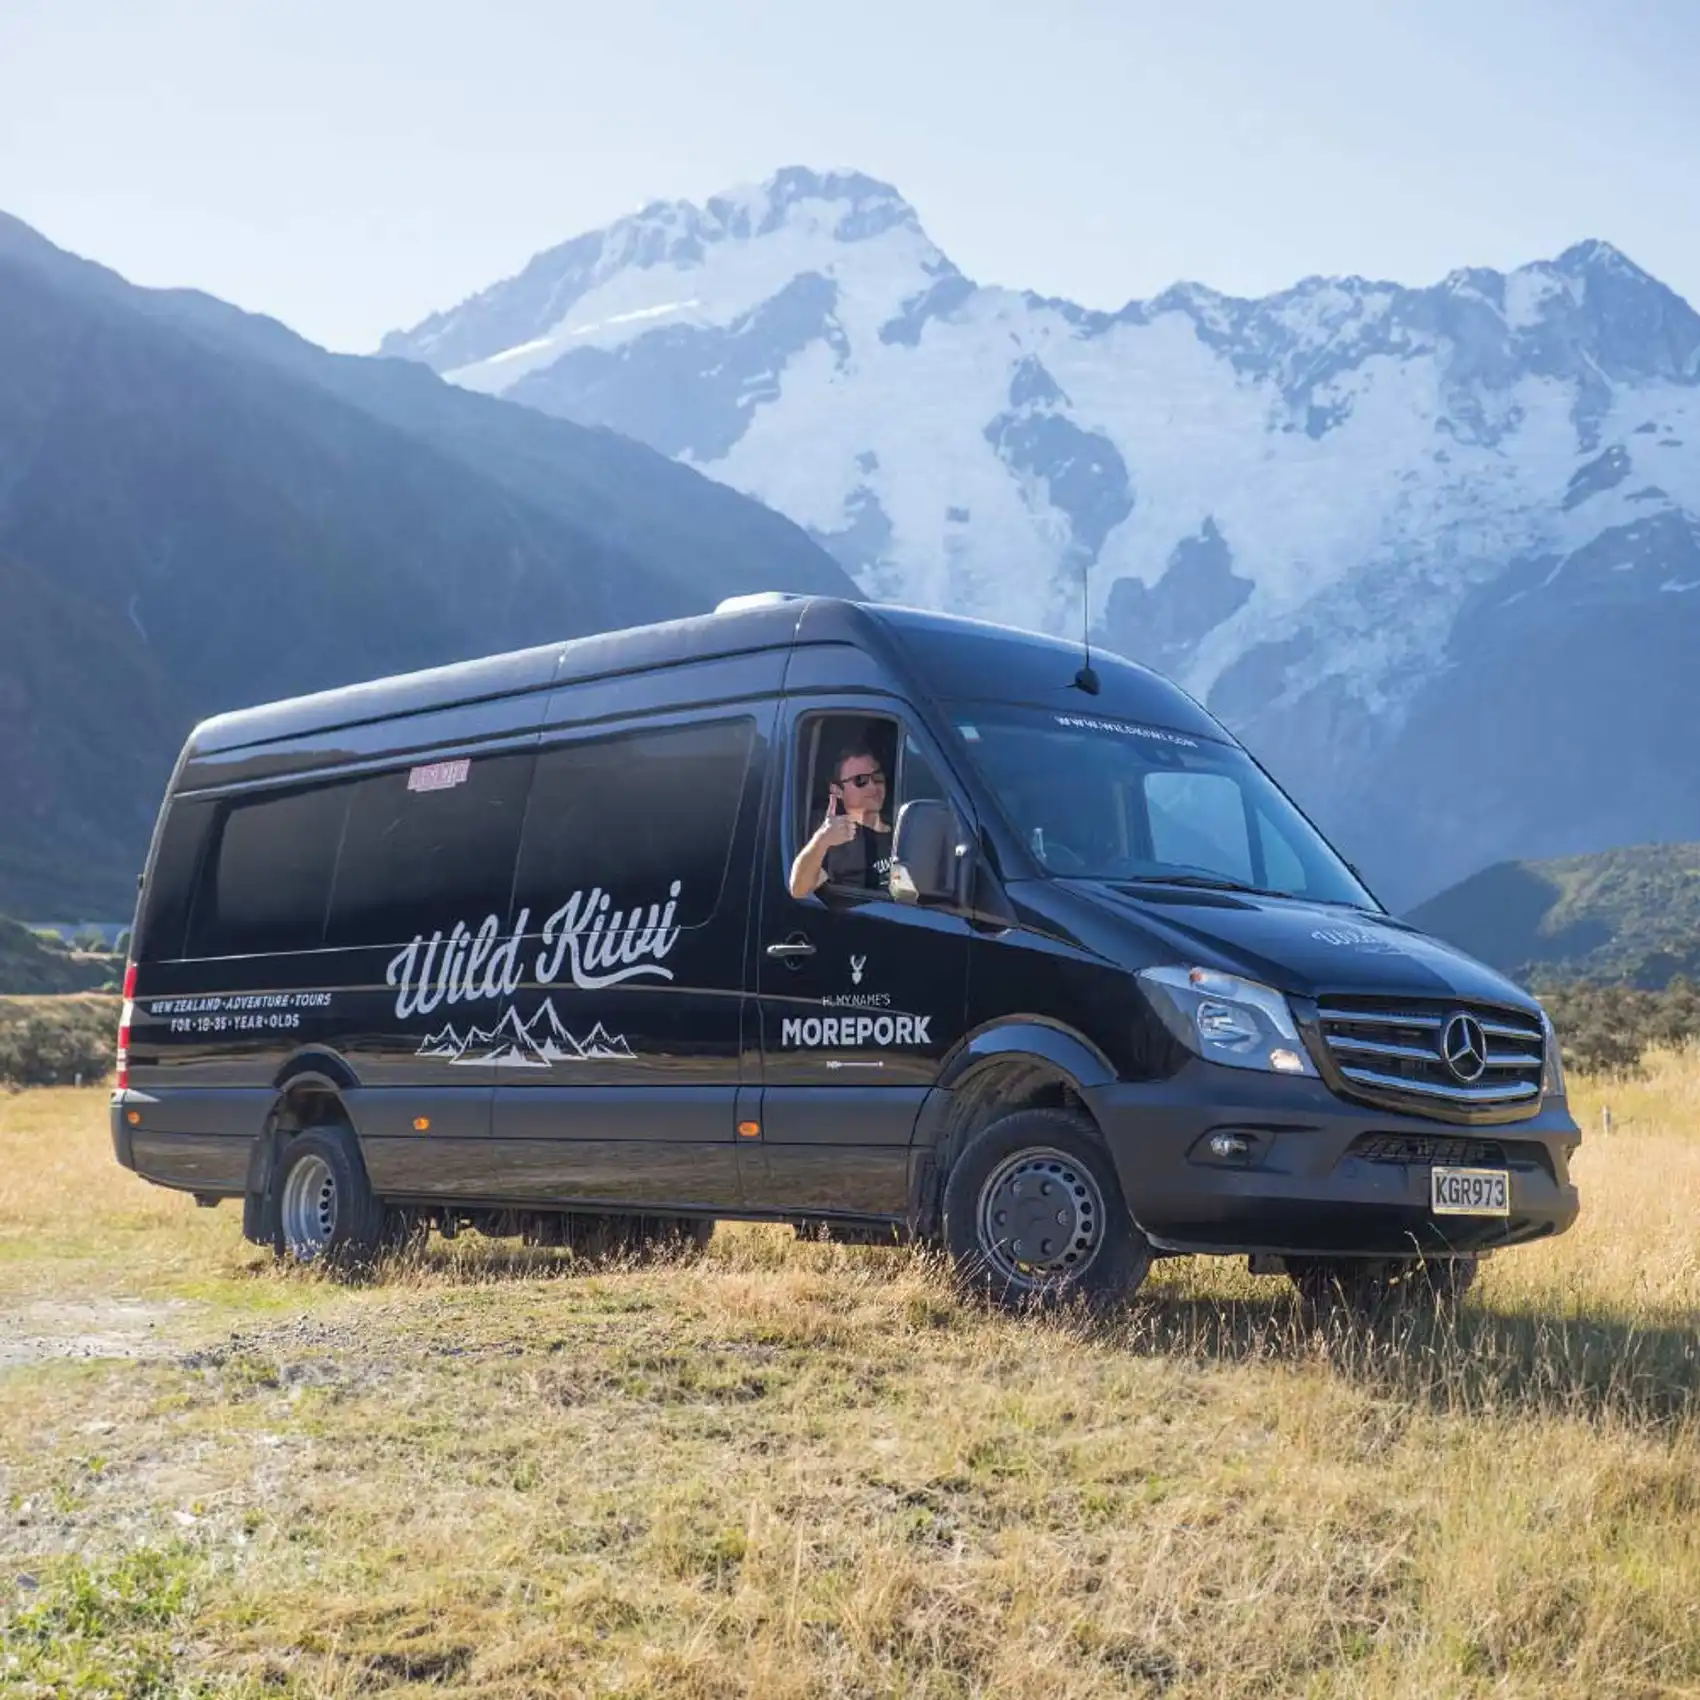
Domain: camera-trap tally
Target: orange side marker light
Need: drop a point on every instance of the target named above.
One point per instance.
(749, 1130)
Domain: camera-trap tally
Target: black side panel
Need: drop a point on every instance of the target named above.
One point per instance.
(858, 1011)
(460, 730)
(835, 667)
(372, 859)
(838, 1150)
(197, 1141)
(390, 701)
(624, 1033)
(191, 1162)
(698, 686)
(606, 1145)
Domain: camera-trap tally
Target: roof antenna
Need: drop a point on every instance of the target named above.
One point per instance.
(1086, 679)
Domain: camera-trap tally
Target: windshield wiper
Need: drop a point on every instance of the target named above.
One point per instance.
(1221, 882)
(1202, 882)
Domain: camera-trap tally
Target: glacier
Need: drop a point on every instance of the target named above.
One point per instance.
(1335, 515)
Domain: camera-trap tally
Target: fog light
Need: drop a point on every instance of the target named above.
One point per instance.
(1287, 1062)
(1230, 1147)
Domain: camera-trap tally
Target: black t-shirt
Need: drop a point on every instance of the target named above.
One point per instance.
(864, 861)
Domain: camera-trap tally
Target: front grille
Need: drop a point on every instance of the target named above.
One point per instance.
(1391, 1052)
(1426, 1148)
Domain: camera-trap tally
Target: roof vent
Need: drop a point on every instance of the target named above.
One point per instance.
(756, 599)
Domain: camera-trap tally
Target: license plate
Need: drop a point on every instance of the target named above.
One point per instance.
(1470, 1192)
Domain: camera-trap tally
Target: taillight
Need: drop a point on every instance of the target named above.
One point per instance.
(123, 1079)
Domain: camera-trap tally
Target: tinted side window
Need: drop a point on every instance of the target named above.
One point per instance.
(267, 875)
(824, 740)
(425, 847)
(634, 814)
(170, 891)
(919, 778)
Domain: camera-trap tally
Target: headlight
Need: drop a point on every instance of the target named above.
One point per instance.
(1552, 1075)
(1228, 1020)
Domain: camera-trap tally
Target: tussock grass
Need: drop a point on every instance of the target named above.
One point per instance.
(795, 1469)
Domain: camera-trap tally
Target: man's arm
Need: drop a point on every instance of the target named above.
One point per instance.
(808, 872)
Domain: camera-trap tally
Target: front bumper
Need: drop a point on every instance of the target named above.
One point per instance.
(1320, 1178)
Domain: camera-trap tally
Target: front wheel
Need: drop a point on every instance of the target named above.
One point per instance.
(1034, 1215)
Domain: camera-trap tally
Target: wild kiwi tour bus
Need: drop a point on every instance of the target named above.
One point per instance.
(613, 937)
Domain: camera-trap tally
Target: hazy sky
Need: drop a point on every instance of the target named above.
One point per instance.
(350, 165)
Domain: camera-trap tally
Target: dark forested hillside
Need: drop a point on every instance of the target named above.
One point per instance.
(198, 510)
(1629, 915)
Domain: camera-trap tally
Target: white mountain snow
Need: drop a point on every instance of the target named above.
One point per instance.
(1433, 552)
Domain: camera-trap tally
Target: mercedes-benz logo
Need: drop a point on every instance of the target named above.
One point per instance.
(1463, 1047)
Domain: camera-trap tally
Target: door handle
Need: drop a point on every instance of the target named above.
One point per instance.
(791, 951)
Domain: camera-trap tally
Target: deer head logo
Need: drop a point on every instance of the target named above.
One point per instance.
(857, 964)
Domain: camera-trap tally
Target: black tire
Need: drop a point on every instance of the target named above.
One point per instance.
(1026, 1174)
(1363, 1288)
(324, 1210)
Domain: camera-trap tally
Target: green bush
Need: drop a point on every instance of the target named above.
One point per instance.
(39, 964)
(53, 1041)
(1610, 1027)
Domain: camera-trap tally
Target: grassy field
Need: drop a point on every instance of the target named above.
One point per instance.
(791, 1469)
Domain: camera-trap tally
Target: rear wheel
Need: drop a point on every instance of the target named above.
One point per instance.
(325, 1208)
(1034, 1215)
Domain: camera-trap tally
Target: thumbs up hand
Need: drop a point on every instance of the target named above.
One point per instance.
(838, 827)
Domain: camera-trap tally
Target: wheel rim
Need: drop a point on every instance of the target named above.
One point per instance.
(1041, 1218)
(309, 1207)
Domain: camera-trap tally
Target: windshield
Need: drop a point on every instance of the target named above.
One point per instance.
(1098, 798)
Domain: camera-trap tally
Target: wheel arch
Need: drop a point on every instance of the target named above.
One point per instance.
(1015, 1065)
(311, 1090)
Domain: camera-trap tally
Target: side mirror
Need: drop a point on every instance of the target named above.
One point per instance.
(927, 855)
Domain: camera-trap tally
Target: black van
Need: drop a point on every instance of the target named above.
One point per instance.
(514, 945)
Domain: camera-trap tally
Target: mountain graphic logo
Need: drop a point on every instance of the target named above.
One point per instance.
(541, 1042)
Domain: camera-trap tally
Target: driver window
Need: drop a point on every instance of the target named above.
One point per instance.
(847, 804)
(1198, 821)
(857, 770)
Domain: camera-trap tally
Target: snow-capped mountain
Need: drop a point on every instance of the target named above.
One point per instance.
(1434, 552)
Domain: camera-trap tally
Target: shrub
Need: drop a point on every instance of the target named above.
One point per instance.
(53, 1041)
(1610, 1027)
(39, 964)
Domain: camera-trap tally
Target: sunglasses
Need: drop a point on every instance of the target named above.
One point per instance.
(861, 781)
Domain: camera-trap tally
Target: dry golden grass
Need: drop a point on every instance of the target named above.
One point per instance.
(798, 1470)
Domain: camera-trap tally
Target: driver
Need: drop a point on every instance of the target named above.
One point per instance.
(852, 845)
